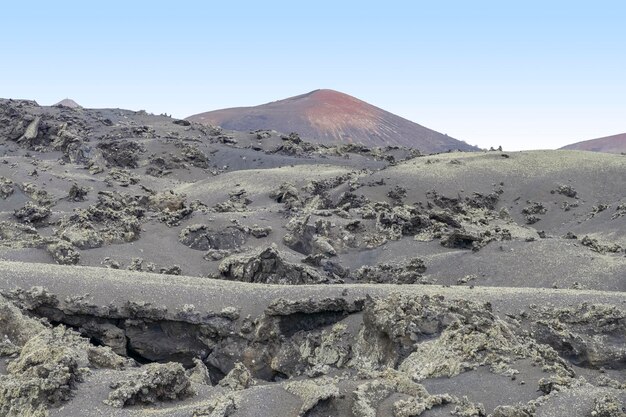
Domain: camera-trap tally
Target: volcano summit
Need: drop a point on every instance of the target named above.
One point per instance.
(328, 117)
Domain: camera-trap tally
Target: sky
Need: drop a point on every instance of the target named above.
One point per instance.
(520, 74)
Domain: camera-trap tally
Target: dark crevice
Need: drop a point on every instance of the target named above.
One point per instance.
(161, 330)
(215, 373)
(279, 376)
(96, 342)
(131, 353)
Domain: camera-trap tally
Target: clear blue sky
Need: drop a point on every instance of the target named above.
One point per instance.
(522, 74)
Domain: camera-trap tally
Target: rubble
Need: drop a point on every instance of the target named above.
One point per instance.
(32, 213)
(201, 237)
(7, 187)
(77, 193)
(596, 246)
(268, 266)
(63, 253)
(121, 153)
(407, 273)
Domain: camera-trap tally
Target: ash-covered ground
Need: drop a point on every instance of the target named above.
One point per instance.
(153, 266)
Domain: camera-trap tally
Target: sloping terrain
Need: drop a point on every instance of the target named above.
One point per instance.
(611, 144)
(153, 266)
(329, 117)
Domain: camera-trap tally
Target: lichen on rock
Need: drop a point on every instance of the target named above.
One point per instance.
(220, 406)
(608, 405)
(51, 362)
(312, 392)
(199, 374)
(238, 378)
(428, 337)
(63, 253)
(155, 382)
(369, 395)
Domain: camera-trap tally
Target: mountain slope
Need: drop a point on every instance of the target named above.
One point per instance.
(327, 116)
(610, 144)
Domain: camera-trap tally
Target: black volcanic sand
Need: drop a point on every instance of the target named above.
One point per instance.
(151, 266)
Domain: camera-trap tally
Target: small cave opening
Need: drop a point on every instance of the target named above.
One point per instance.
(293, 323)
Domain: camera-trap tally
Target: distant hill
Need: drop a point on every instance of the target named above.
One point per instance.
(328, 116)
(610, 144)
(68, 102)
